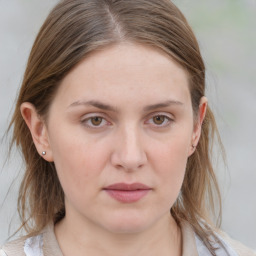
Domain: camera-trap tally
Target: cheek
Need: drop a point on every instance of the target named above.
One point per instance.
(172, 153)
(78, 162)
(170, 162)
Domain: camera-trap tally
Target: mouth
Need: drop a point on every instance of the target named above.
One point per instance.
(127, 193)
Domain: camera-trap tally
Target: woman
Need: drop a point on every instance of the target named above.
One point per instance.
(115, 130)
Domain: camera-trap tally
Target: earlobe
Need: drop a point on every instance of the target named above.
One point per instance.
(37, 129)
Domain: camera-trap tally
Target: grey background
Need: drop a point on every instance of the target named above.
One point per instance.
(227, 36)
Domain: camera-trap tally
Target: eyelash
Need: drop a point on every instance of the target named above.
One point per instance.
(91, 126)
(167, 121)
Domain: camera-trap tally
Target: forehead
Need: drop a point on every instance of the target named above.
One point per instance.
(125, 72)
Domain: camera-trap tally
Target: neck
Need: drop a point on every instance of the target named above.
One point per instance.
(163, 238)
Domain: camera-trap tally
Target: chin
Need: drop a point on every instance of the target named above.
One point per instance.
(126, 228)
(128, 224)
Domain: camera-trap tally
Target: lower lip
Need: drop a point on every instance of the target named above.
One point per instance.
(127, 196)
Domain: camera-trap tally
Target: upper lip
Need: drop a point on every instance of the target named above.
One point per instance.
(127, 187)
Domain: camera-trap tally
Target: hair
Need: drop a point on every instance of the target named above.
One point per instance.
(75, 28)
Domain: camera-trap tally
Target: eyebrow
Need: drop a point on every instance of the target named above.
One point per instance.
(162, 105)
(93, 103)
(104, 106)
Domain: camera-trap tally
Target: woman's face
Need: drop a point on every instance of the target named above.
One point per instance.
(120, 130)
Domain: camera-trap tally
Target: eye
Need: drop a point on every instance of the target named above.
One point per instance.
(160, 120)
(95, 122)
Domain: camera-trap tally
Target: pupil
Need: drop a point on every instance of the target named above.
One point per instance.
(159, 119)
(96, 120)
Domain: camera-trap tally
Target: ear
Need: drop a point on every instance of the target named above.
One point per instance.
(198, 124)
(37, 129)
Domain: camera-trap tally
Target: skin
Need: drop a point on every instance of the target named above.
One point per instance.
(133, 139)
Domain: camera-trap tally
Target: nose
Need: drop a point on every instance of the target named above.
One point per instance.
(129, 152)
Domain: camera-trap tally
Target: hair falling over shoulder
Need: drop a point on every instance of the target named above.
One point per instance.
(75, 28)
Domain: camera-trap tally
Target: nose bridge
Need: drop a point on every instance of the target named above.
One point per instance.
(132, 142)
(129, 151)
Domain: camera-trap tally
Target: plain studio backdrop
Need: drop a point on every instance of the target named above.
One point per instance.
(227, 36)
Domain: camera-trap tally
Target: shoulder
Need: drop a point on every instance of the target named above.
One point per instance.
(24, 246)
(13, 248)
(238, 247)
(45, 243)
(225, 246)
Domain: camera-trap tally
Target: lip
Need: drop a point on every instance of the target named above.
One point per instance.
(127, 193)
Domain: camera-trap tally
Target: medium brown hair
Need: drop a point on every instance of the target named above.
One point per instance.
(75, 28)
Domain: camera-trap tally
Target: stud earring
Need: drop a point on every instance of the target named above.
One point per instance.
(193, 146)
(44, 153)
